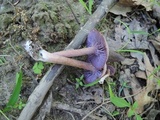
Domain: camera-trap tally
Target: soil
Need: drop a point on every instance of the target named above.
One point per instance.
(52, 24)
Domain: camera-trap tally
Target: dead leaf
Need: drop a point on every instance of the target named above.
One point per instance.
(95, 94)
(156, 43)
(153, 114)
(118, 9)
(147, 4)
(141, 74)
(151, 82)
(140, 59)
(127, 3)
(156, 11)
(128, 61)
(154, 55)
(131, 36)
(130, 3)
(142, 98)
(139, 40)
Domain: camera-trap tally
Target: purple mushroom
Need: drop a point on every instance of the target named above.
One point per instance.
(97, 51)
(96, 48)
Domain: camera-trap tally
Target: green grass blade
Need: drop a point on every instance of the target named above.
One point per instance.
(91, 84)
(4, 115)
(84, 5)
(139, 32)
(15, 94)
(129, 50)
(90, 6)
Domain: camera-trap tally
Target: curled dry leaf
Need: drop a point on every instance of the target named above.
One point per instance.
(128, 3)
(119, 9)
(147, 4)
(128, 61)
(156, 43)
(139, 57)
(141, 74)
(154, 55)
(156, 11)
(142, 98)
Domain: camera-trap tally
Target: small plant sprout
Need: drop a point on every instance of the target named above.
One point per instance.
(96, 48)
(2, 60)
(79, 82)
(38, 67)
(19, 104)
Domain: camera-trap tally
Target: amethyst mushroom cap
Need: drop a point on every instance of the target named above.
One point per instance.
(99, 58)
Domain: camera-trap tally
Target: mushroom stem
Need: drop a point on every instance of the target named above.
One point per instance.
(57, 59)
(77, 52)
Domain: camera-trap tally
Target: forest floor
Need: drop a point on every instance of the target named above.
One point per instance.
(132, 31)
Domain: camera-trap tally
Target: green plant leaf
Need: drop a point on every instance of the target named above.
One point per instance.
(135, 105)
(40, 65)
(15, 94)
(130, 113)
(35, 65)
(138, 117)
(21, 105)
(37, 71)
(119, 102)
(77, 85)
(115, 113)
(90, 6)
(111, 92)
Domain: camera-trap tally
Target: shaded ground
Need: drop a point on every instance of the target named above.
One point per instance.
(52, 24)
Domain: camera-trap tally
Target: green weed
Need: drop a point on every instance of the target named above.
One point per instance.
(80, 83)
(89, 7)
(2, 60)
(15, 94)
(19, 105)
(123, 85)
(38, 67)
(122, 103)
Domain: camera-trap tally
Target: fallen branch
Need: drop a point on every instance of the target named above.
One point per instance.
(40, 91)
